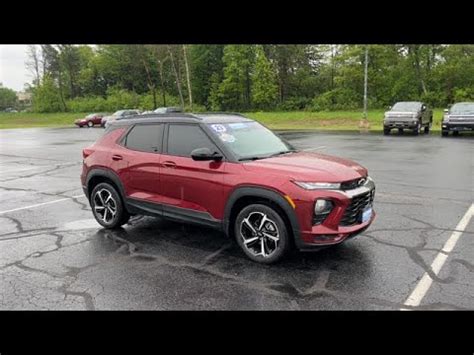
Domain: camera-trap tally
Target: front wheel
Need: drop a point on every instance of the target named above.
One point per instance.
(262, 234)
(444, 133)
(107, 206)
(417, 129)
(89, 124)
(455, 133)
(427, 128)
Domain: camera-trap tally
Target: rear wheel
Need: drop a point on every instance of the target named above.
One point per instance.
(455, 133)
(444, 133)
(386, 131)
(107, 206)
(400, 131)
(262, 234)
(89, 124)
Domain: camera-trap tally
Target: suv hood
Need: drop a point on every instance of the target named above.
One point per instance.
(307, 166)
(400, 113)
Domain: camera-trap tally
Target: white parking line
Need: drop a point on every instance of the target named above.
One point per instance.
(42, 204)
(425, 283)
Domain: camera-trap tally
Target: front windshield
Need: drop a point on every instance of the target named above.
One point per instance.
(462, 108)
(118, 113)
(249, 140)
(91, 115)
(406, 106)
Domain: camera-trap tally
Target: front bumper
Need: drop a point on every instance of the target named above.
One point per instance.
(401, 124)
(333, 231)
(80, 123)
(457, 126)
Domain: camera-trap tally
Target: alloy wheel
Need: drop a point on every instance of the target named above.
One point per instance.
(259, 234)
(105, 206)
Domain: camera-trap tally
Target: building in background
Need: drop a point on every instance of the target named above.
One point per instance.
(24, 98)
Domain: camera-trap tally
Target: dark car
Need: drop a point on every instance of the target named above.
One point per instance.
(460, 117)
(227, 172)
(90, 120)
(413, 115)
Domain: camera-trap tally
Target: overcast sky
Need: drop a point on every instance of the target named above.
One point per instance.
(13, 73)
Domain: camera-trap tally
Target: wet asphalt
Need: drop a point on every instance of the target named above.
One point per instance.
(55, 256)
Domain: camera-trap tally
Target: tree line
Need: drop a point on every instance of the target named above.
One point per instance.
(246, 77)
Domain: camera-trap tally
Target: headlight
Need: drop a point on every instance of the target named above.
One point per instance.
(318, 185)
(446, 118)
(415, 115)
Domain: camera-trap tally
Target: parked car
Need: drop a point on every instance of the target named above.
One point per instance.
(168, 109)
(460, 117)
(227, 172)
(413, 115)
(90, 120)
(119, 115)
(10, 110)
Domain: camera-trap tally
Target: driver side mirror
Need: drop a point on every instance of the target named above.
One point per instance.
(423, 108)
(205, 154)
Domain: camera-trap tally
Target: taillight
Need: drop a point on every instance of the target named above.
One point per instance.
(86, 152)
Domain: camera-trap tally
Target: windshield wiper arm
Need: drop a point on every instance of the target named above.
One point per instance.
(282, 152)
(251, 158)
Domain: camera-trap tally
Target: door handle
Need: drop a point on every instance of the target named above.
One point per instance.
(169, 164)
(117, 157)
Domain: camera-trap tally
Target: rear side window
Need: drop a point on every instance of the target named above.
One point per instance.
(145, 138)
(183, 139)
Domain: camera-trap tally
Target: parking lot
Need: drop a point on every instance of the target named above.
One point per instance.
(54, 255)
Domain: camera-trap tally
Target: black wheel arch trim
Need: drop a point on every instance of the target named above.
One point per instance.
(107, 173)
(262, 192)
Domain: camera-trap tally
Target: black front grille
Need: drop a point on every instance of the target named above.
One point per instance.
(353, 212)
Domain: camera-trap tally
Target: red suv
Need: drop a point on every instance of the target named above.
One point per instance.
(228, 172)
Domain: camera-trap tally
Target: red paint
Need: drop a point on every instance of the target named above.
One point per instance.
(206, 186)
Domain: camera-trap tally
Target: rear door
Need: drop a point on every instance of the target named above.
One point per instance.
(189, 187)
(139, 158)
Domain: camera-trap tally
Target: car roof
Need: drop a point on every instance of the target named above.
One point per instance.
(184, 117)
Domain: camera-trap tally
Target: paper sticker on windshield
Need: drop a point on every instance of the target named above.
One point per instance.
(218, 128)
(229, 138)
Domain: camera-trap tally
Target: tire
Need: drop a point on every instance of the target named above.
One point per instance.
(90, 124)
(427, 128)
(113, 202)
(273, 225)
(386, 131)
(416, 131)
(455, 133)
(444, 133)
(400, 131)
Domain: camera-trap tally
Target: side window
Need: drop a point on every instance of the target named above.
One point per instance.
(145, 138)
(183, 139)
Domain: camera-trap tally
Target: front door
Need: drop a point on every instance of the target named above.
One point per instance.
(191, 188)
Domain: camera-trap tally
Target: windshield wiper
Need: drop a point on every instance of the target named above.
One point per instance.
(251, 158)
(282, 152)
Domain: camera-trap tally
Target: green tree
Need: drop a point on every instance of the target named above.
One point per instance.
(207, 68)
(235, 89)
(264, 83)
(46, 97)
(7, 98)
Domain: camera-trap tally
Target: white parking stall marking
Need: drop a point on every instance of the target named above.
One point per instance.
(42, 204)
(424, 284)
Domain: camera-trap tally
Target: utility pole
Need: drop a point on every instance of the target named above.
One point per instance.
(364, 123)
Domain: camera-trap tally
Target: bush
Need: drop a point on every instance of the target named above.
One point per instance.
(337, 99)
(294, 103)
(466, 94)
(46, 97)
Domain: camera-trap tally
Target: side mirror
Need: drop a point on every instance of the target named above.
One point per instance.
(205, 154)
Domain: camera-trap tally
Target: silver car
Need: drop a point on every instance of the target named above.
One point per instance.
(460, 117)
(413, 115)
